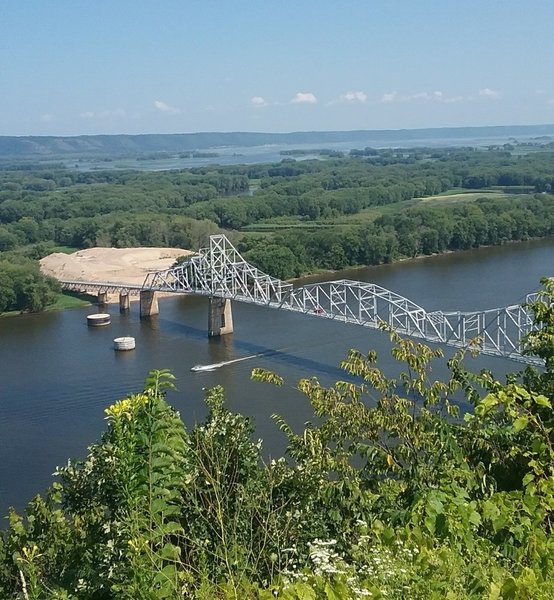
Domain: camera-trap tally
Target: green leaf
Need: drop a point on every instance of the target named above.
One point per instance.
(520, 423)
(265, 376)
(172, 527)
(434, 506)
(543, 401)
(300, 591)
(528, 478)
(475, 518)
(509, 588)
(430, 524)
(170, 552)
(167, 573)
(335, 591)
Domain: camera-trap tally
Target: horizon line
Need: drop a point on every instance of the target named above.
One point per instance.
(309, 131)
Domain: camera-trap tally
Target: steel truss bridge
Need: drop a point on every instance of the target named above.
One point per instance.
(220, 271)
(92, 287)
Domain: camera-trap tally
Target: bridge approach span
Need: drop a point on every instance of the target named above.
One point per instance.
(219, 271)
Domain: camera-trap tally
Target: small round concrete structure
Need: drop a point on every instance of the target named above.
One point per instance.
(124, 343)
(98, 320)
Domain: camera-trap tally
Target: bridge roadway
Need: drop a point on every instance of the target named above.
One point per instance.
(221, 273)
(93, 287)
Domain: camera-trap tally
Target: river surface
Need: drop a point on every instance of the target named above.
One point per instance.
(57, 375)
(269, 153)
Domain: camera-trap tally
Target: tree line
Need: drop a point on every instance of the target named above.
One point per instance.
(417, 231)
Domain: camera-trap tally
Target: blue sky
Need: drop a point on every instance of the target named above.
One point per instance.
(70, 67)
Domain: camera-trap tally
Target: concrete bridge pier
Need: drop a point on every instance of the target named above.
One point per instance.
(148, 303)
(220, 317)
(102, 297)
(123, 301)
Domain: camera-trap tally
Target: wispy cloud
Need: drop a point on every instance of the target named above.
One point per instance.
(455, 99)
(352, 97)
(488, 93)
(47, 118)
(304, 98)
(389, 97)
(166, 108)
(435, 96)
(258, 102)
(87, 115)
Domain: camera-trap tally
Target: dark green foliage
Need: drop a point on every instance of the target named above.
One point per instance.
(426, 230)
(359, 210)
(24, 288)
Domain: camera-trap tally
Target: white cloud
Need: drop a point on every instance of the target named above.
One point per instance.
(488, 93)
(304, 98)
(418, 96)
(166, 108)
(117, 113)
(389, 97)
(455, 99)
(351, 97)
(47, 118)
(258, 102)
(436, 96)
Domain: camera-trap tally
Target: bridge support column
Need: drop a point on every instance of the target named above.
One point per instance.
(102, 297)
(123, 301)
(148, 303)
(220, 317)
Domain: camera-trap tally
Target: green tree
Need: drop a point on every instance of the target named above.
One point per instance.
(275, 260)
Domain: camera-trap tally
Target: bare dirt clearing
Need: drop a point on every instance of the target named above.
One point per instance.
(117, 265)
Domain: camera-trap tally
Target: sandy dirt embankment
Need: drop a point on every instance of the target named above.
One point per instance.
(116, 265)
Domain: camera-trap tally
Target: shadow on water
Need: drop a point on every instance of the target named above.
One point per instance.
(230, 342)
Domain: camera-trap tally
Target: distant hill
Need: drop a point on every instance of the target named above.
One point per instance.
(135, 145)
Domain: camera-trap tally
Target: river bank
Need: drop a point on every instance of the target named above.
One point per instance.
(325, 273)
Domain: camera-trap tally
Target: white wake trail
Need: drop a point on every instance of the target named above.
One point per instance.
(214, 366)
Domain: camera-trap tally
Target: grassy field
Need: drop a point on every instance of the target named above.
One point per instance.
(368, 215)
(65, 300)
(68, 300)
(64, 249)
(467, 196)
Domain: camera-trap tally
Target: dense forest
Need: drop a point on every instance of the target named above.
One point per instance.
(390, 493)
(289, 218)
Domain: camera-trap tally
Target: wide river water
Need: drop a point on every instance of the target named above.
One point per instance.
(57, 375)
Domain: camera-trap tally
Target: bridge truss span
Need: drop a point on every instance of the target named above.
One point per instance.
(220, 271)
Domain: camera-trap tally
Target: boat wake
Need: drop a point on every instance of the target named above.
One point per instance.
(214, 366)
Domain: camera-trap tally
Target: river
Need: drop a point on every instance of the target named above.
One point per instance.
(269, 153)
(57, 375)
